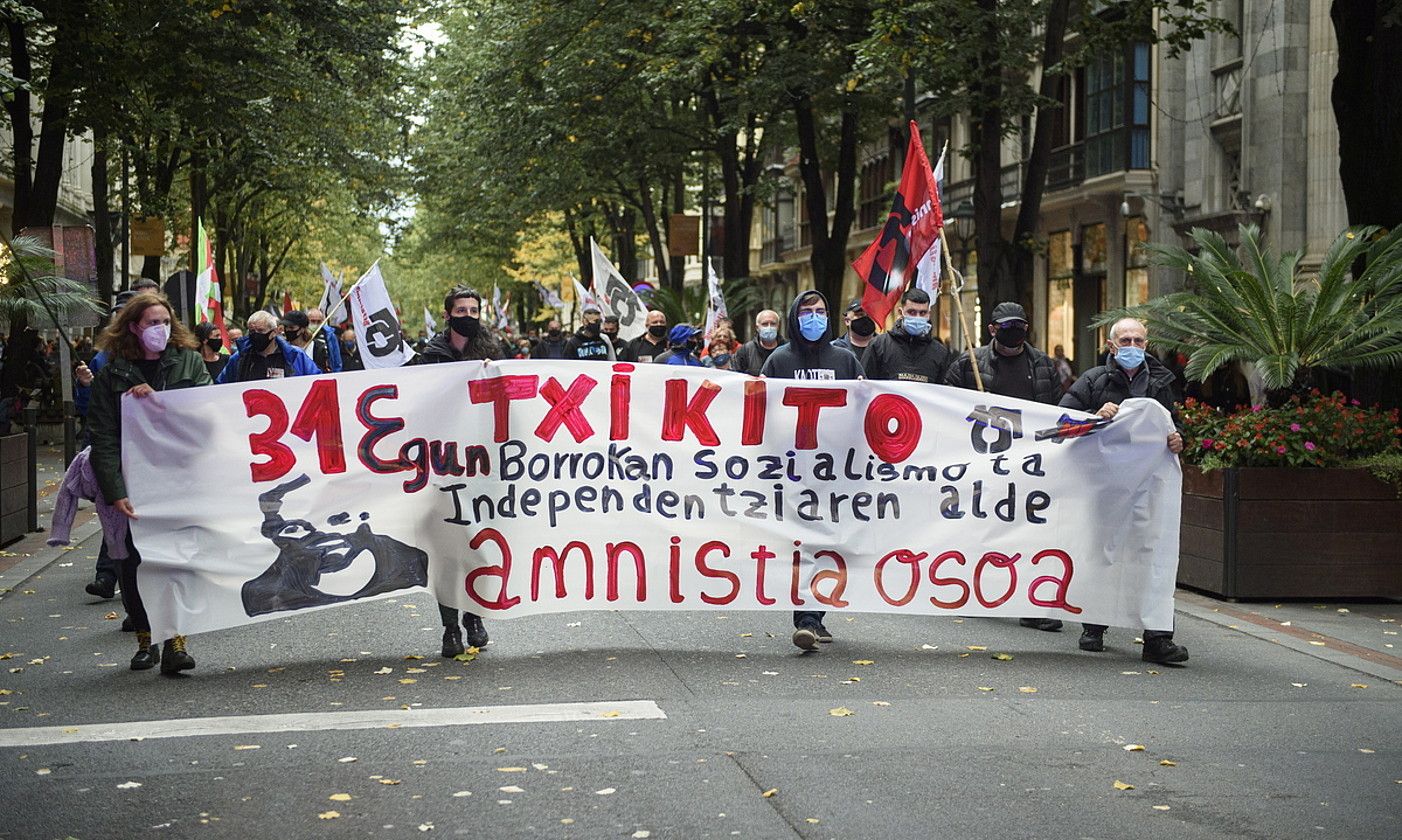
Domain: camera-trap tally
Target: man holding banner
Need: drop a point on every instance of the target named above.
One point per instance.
(463, 340)
(809, 355)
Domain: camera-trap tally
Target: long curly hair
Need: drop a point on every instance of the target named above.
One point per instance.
(119, 340)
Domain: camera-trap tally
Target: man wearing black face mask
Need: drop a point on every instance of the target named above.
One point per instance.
(463, 340)
(860, 329)
(647, 347)
(588, 342)
(552, 344)
(1011, 368)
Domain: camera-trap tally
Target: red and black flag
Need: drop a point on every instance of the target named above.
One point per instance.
(888, 264)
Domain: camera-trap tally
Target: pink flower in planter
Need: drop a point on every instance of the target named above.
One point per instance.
(1256, 407)
(1309, 445)
(1207, 443)
(1280, 450)
(1294, 427)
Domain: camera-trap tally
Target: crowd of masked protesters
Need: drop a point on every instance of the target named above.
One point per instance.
(145, 348)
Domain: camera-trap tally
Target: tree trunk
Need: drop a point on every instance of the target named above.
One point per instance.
(677, 277)
(102, 220)
(21, 130)
(1367, 99)
(995, 282)
(654, 234)
(829, 254)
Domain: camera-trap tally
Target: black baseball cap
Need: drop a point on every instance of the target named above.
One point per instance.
(296, 318)
(856, 306)
(1008, 311)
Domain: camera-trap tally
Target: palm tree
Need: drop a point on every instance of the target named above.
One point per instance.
(1257, 308)
(30, 293)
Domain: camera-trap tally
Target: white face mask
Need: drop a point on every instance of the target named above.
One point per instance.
(155, 337)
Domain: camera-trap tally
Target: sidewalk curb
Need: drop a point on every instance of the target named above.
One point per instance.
(1335, 651)
(13, 578)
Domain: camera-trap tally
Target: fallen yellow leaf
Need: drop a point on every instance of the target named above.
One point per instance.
(1119, 785)
(810, 820)
(408, 681)
(612, 714)
(863, 662)
(388, 781)
(413, 657)
(328, 815)
(1027, 689)
(511, 769)
(112, 616)
(985, 688)
(339, 797)
(1160, 807)
(978, 647)
(1359, 685)
(1003, 657)
(769, 793)
(1167, 763)
(841, 711)
(248, 747)
(880, 703)
(1134, 748)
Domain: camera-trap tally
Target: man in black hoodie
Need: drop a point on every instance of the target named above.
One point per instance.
(465, 339)
(908, 352)
(589, 343)
(810, 355)
(1130, 373)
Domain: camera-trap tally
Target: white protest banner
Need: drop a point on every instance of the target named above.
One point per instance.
(618, 296)
(715, 308)
(376, 322)
(522, 487)
(331, 294)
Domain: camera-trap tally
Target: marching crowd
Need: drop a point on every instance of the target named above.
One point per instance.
(145, 348)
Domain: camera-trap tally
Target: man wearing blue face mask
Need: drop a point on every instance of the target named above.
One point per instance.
(1130, 373)
(909, 352)
(750, 358)
(810, 355)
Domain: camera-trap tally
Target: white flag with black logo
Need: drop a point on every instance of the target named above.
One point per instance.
(617, 297)
(376, 323)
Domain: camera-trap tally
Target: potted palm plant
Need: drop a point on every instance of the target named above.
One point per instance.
(1300, 493)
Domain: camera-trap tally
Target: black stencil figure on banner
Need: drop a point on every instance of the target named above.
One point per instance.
(315, 568)
(382, 336)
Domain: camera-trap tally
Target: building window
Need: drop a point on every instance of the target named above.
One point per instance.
(1094, 251)
(1061, 310)
(874, 201)
(1136, 261)
(1117, 111)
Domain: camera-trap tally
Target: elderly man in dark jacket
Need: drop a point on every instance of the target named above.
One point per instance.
(909, 352)
(1011, 367)
(1130, 373)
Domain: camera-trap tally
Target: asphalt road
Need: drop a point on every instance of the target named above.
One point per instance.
(702, 725)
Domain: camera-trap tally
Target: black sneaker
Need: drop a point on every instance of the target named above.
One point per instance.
(103, 586)
(806, 637)
(476, 633)
(1164, 651)
(452, 642)
(1051, 625)
(1092, 641)
(146, 658)
(824, 635)
(174, 658)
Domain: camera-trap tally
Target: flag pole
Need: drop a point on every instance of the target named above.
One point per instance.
(956, 284)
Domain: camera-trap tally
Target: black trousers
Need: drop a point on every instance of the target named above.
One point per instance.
(1147, 634)
(449, 615)
(802, 616)
(131, 597)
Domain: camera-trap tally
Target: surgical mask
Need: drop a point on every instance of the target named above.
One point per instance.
(918, 327)
(1011, 336)
(315, 327)
(863, 326)
(1130, 357)
(657, 330)
(813, 325)
(768, 333)
(259, 341)
(465, 325)
(155, 337)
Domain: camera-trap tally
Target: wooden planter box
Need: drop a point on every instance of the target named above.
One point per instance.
(1267, 532)
(14, 487)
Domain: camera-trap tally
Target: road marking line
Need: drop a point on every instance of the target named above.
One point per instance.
(605, 711)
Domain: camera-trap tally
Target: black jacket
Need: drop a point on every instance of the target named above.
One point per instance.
(804, 359)
(1108, 384)
(751, 356)
(549, 348)
(589, 348)
(845, 342)
(898, 355)
(1046, 385)
(643, 351)
(440, 349)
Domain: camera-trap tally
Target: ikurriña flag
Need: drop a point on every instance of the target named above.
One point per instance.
(888, 264)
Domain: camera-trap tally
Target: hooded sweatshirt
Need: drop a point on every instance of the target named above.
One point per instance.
(804, 359)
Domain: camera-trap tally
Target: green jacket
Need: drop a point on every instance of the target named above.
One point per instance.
(179, 369)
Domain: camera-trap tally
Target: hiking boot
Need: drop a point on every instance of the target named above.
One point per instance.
(805, 636)
(1164, 651)
(147, 654)
(103, 586)
(1092, 641)
(452, 642)
(824, 634)
(1051, 625)
(476, 633)
(174, 658)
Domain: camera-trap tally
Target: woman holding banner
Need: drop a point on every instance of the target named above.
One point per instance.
(149, 350)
